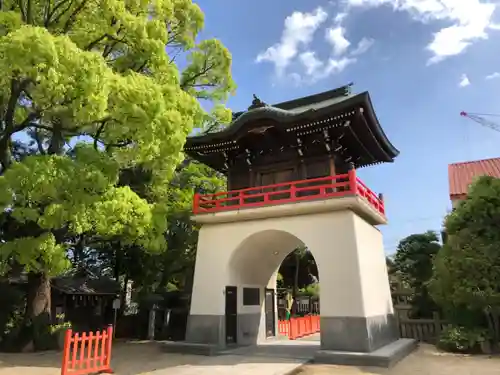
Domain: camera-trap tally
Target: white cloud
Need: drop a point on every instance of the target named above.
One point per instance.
(340, 17)
(311, 63)
(299, 31)
(493, 75)
(364, 45)
(336, 37)
(469, 21)
(464, 81)
(297, 36)
(335, 66)
(317, 69)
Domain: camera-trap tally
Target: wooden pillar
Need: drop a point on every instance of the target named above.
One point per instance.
(302, 170)
(251, 177)
(333, 170)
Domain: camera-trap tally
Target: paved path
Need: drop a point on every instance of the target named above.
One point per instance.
(275, 357)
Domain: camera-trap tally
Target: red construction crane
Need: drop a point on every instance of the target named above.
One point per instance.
(479, 118)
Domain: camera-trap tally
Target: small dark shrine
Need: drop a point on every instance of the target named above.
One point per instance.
(308, 138)
(86, 300)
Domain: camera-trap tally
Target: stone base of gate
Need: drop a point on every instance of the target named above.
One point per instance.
(386, 356)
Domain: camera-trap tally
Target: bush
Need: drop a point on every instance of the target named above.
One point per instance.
(462, 340)
(57, 332)
(310, 290)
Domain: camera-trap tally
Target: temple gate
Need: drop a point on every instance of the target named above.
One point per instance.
(291, 174)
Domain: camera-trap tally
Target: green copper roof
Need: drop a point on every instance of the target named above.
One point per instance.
(303, 109)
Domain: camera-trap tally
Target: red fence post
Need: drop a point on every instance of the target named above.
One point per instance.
(67, 347)
(353, 181)
(109, 345)
(196, 203)
(292, 334)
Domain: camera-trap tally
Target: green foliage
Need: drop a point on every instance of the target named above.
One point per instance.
(99, 70)
(12, 300)
(61, 326)
(467, 269)
(94, 113)
(412, 265)
(310, 290)
(414, 256)
(461, 339)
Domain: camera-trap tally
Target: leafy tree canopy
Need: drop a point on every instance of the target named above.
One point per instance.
(414, 256)
(412, 266)
(467, 270)
(90, 88)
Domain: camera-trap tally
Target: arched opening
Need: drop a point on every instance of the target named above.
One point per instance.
(261, 299)
(297, 285)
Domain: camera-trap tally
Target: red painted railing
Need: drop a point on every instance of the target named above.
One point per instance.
(296, 328)
(87, 353)
(288, 192)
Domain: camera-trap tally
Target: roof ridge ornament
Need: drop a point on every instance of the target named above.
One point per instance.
(348, 88)
(256, 103)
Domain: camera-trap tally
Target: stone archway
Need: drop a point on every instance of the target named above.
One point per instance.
(254, 266)
(356, 305)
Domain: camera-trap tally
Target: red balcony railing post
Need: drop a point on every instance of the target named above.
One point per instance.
(382, 203)
(293, 192)
(196, 203)
(353, 181)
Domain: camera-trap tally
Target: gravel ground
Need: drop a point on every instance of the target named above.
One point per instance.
(146, 358)
(425, 361)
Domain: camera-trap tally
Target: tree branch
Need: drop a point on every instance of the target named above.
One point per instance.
(71, 19)
(29, 13)
(16, 88)
(193, 78)
(21, 10)
(38, 141)
(56, 8)
(99, 132)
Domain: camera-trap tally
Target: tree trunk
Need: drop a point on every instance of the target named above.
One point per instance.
(38, 310)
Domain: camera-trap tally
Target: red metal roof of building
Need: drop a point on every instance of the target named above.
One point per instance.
(461, 175)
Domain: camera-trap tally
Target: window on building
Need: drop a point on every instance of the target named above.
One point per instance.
(251, 296)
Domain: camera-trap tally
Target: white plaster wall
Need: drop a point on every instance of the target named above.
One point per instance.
(455, 202)
(249, 252)
(373, 269)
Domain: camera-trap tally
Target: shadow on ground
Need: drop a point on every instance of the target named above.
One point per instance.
(134, 358)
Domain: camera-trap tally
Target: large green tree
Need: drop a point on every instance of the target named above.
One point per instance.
(90, 88)
(467, 269)
(413, 264)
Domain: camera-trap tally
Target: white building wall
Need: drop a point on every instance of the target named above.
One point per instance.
(372, 269)
(249, 253)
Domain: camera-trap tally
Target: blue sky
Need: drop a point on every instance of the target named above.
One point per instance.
(423, 61)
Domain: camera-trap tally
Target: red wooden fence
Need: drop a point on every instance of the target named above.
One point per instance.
(347, 184)
(296, 328)
(87, 353)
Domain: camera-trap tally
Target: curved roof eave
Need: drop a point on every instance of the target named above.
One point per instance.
(280, 115)
(263, 113)
(285, 117)
(378, 131)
